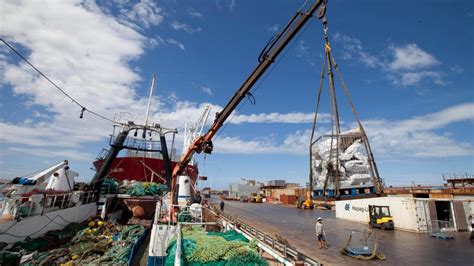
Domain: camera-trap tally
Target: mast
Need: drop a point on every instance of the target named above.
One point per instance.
(152, 86)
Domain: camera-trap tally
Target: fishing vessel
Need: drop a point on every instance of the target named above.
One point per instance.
(42, 202)
(140, 166)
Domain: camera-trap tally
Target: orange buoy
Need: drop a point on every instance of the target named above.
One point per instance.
(138, 211)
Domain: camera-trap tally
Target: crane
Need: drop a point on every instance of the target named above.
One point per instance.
(268, 55)
(193, 131)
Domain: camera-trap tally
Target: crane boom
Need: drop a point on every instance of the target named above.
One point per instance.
(267, 57)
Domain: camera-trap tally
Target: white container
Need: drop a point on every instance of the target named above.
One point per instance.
(184, 191)
(403, 210)
(62, 180)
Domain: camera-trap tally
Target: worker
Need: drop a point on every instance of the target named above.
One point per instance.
(222, 206)
(320, 233)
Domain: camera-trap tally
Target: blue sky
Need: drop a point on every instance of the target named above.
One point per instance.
(407, 64)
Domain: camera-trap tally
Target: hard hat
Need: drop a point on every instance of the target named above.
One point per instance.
(319, 218)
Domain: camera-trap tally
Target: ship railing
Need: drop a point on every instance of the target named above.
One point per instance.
(39, 204)
(195, 214)
(102, 154)
(137, 143)
(66, 200)
(286, 251)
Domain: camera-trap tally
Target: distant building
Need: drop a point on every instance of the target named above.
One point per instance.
(292, 185)
(244, 188)
(275, 190)
(275, 183)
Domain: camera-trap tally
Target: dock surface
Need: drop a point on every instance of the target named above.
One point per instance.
(399, 247)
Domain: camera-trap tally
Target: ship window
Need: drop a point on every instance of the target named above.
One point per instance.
(186, 181)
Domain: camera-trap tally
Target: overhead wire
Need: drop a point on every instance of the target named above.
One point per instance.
(83, 108)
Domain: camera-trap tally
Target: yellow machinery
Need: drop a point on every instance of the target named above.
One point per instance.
(304, 203)
(254, 197)
(380, 217)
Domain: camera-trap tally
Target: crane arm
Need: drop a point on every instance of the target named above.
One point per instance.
(267, 57)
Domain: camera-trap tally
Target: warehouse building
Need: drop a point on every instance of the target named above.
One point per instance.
(243, 188)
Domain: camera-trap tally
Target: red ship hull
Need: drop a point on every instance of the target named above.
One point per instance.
(141, 169)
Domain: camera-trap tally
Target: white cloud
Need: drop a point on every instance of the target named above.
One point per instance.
(353, 49)
(411, 57)
(417, 136)
(410, 65)
(175, 42)
(296, 144)
(406, 65)
(50, 135)
(457, 68)
(185, 112)
(289, 118)
(413, 137)
(146, 13)
(207, 90)
(273, 28)
(304, 52)
(41, 115)
(49, 153)
(453, 114)
(90, 60)
(232, 5)
(157, 41)
(194, 13)
(412, 78)
(181, 26)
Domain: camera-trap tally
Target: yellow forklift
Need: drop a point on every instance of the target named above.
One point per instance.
(380, 217)
(305, 203)
(256, 198)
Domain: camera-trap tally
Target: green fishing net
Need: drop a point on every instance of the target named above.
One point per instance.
(97, 244)
(213, 248)
(112, 186)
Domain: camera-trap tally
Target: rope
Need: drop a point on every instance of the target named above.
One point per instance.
(83, 108)
(374, 169)
(314, 125)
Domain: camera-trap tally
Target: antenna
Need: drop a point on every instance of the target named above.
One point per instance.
(152, 86)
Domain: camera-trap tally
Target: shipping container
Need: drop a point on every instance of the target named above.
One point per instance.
(410, 214)
(288, 199)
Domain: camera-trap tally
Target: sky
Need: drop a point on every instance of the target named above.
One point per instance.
(408, 65)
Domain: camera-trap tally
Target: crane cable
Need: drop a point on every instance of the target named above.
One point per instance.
(83, 108)
(311, 174)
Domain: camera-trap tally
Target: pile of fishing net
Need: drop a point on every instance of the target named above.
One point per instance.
(133, 188)
(30, 247)
(50, 240)
(97, 243)
(201, 248)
